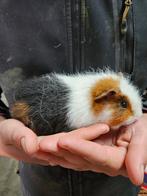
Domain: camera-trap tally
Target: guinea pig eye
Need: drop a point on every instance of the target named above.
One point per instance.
(123, 103)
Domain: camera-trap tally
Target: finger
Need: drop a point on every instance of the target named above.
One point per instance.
(51, 158)
(15, 133)
(90, 132)
(54, 161)
(124, 137)
(69, 165)
(86, 133)
(101, 155)
(49, 143)
(76, 160)
(135, 159)
(109, 171)
(48, 146)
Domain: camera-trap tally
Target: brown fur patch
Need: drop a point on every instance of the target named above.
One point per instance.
(101, 88)
(119, 114)
(20, 111)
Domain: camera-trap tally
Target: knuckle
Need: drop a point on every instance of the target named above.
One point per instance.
(63, 141)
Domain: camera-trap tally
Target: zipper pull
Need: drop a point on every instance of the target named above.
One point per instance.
(128, 4)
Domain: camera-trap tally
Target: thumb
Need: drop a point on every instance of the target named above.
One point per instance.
(13, 132)
(135, 158)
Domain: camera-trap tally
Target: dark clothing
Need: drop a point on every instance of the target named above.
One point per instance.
(42, 36)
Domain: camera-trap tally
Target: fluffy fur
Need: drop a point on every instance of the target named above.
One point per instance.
(59, 102)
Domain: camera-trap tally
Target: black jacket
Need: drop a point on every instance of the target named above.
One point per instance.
(41, 36)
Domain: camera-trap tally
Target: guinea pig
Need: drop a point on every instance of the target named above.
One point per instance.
(58, 102)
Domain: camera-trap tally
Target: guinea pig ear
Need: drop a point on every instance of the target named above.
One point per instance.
(105, 95)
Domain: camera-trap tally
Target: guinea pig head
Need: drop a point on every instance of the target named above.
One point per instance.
(116, 102)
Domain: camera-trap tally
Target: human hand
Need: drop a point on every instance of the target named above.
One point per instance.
(19, 142)
(81, 150)
(135, 137)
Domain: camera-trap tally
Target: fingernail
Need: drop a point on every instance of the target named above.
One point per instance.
(23, 144)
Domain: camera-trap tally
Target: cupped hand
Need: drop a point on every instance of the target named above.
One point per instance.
(86, 149)
(136, 157)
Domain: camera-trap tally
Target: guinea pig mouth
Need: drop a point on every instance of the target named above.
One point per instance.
(131, 121)
(125, 124)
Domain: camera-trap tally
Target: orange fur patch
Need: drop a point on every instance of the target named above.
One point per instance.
(20, 111)
(101, 88)
(104, 85)
(120, 115)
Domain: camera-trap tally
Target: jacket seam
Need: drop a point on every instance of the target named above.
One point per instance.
(69, 49)
(134, 41)
(83, 29)
(76, 35)
(69, 177)
(116, 35)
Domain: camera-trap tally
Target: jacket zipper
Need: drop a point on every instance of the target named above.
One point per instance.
(75, 12)
(83, 31)
(69, 34)
(75, 33)
(75, 7)
(124, 54)
(116, 36)
(126, 41)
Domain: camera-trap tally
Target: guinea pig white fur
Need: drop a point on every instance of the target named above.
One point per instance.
(60, 102)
